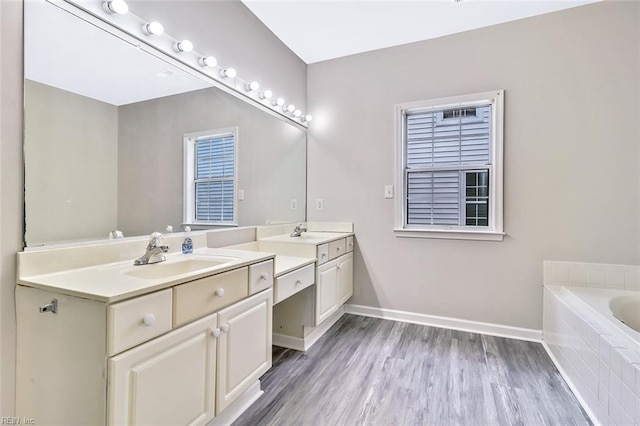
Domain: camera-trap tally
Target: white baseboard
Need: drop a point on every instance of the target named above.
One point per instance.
(518, 333)
(304, 343)
(572, 386)
(290, 342)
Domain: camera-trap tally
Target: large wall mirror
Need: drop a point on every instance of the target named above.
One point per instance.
(105, 126)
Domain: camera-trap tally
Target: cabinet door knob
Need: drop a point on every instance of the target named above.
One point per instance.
(220, 292)
(263, 277)
(216, 332)
(298, 282)
(324, 255)
(225, 327)
(338, 267)
(338, 248)
(149, 319)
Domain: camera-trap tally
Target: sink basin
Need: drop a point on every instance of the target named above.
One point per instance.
(169, 268)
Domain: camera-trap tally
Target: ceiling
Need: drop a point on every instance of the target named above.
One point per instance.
(318, 30)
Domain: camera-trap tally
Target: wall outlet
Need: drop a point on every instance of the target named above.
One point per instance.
(388, 191)
(240, 194)
(294, 204)
(319, 204)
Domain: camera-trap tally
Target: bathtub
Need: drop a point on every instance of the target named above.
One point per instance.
(592, 336)
(620, 309)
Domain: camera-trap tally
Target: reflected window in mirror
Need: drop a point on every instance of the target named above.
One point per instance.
(210, 178)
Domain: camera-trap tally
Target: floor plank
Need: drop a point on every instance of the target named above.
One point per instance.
(368, 371)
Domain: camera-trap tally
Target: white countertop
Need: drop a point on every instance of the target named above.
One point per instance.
(112, 282)
(313, 238)
(285, 264)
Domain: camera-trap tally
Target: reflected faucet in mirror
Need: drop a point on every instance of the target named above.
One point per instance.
(154, 251)
(299, 229)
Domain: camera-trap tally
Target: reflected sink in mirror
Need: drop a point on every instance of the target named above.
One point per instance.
(170, 268)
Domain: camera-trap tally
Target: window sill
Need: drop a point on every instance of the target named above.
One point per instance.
(203, 224)
(449, 234)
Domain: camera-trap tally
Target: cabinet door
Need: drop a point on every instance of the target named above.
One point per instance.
(326, 291)
(244, 352)
(169, 380)
(345, 278)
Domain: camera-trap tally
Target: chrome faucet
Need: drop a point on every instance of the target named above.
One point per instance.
(154, 251)
(300, 228)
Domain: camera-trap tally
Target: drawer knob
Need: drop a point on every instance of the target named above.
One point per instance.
(263, 277)
(225, 327)
(220, 292)
(149, 319)
(338, 248)
(298, 282)
(216, 332)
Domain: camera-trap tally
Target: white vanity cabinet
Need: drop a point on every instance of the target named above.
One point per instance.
(169, 380)
(180, 355)
(334, 286)
(244, 346)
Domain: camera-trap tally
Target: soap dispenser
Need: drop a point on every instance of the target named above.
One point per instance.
(187, 244)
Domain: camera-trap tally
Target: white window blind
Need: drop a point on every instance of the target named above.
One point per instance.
(214, 178)
(447, 166)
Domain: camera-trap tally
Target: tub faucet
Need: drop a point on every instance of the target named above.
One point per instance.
(154, 251)
(300, 228)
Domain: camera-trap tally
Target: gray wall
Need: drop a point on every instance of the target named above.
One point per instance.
(229, 31)
(11, 189)
(72, 151)
(571, 158)
(271, 160)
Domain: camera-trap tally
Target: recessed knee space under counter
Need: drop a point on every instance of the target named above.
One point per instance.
(313, 278)
(105, 342)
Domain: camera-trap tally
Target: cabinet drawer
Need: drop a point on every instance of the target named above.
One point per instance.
(293, 282)
(350, 244)
(337, 248)
(323, 253)
(138, 320)
(260, 276)
(201, 297)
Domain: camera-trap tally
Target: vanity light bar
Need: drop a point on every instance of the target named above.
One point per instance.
(208, 65)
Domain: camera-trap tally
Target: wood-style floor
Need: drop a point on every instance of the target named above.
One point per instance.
(367, 371)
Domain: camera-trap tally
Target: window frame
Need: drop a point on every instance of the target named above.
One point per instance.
(495, 230)
(189, 181)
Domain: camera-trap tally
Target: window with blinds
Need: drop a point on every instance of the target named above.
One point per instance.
(447, 166)
(210, 177)
(450, 179)
(214, 178)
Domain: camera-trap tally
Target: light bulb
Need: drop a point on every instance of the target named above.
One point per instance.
(267, 94)
(297, 113)
(208, 61)
(277, 102)
(307, 118)
(184, 46)
(252, 86)
(289, 108)
(153, 28)
(116, 6)
(228, 73)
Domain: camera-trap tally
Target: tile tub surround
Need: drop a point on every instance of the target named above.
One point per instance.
(596, 275)
(601, 365)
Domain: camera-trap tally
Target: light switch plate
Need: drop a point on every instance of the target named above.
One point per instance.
(319, 204)
(294, 204)
(240, 194)
(388, 191)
